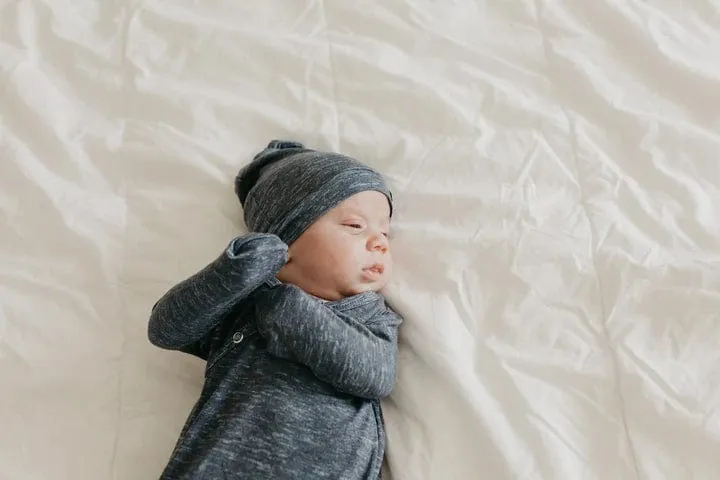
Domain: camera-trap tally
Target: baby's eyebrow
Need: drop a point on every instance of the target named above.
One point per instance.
(348, 210)
(352, 215)
(354, 212)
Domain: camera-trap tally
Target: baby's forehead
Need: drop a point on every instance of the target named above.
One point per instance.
(363, 210)
(369, 212)
(366, 203)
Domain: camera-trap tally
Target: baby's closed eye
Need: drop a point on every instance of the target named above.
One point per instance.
(354, 225)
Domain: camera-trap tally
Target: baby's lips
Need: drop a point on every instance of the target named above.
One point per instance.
(378, 268)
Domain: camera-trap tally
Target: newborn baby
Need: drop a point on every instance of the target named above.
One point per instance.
(300, 347)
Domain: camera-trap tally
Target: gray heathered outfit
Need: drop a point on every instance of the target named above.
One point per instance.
(292, 383)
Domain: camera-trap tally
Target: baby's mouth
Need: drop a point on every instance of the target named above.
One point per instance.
(376, 269)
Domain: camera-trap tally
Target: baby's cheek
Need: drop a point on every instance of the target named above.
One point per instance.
(389, 265)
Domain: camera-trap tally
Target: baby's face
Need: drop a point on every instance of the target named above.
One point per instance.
(345, 252)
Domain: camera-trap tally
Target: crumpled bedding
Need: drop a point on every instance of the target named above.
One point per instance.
(555, 165)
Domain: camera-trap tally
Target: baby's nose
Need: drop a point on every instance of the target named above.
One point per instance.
(379, 243)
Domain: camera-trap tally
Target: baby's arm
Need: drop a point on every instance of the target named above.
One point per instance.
(192, 308)
(356, 358)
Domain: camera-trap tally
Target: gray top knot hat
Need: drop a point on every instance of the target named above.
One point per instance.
(287, 187)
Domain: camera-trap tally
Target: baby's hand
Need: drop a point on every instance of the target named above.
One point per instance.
(267, 251)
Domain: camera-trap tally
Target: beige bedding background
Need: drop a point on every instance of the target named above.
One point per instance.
(557, 231)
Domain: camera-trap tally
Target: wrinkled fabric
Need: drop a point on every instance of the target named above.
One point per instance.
(555, 231)
(285, 372)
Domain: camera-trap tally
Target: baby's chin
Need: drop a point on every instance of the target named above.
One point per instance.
(337, 292)
(362, 287)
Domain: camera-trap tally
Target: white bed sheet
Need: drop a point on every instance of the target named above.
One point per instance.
(558, 181)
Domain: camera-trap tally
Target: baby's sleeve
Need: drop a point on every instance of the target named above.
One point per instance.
(357, 358)
(188, 312)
